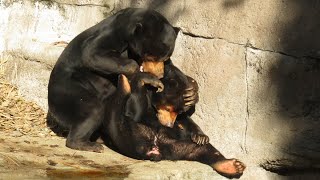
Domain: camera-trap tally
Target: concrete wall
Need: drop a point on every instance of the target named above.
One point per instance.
(257, 64)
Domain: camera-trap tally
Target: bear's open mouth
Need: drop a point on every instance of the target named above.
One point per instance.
(154, 151)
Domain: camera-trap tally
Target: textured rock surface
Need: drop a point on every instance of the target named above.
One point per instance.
(256, 62)
(272, 25)
(32, 28)
(219, 68)
(284, 106)
(31, 77)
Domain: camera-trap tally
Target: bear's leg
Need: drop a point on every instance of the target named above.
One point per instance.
(80, 133)
(207, 154)
(78, 107)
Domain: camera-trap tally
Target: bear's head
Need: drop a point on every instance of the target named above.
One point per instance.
(169, 103)
(152, 42)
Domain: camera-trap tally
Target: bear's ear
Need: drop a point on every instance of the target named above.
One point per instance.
(138, 28)
(124, 85)
(176, 29)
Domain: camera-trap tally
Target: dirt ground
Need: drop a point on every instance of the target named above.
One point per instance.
(19, 117)
(29, 150)
(30, 157)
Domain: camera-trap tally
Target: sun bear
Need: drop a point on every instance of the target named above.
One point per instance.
(147, 141)
(85, 75)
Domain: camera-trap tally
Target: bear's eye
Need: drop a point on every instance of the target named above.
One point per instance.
(168, 108)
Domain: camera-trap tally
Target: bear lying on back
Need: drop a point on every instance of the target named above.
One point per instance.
(141, 141)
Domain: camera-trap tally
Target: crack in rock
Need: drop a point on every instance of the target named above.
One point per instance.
(247, 100)
(76, 4)
(249, 45)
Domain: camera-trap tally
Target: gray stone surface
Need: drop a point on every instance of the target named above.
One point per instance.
(31, 78)
(219, 68)
(32, 28)
(285, 26)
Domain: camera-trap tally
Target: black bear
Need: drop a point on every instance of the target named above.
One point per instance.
(166, 106)
(171, 112)
(85, 75)
(140, 141)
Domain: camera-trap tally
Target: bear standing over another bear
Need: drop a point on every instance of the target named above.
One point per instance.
(85, 75)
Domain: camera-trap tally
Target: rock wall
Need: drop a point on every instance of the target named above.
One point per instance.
(257, 64)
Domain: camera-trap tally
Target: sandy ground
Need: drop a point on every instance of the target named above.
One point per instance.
(30, 150)
(47, 158)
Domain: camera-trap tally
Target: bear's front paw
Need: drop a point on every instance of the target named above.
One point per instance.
(149, 79)
(200, 138)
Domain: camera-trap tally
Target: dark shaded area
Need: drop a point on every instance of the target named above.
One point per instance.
(297, 78)
(286, 167)
(163, 6)
(290, 171)
(111, 172)
(301, 35)
(232, 3)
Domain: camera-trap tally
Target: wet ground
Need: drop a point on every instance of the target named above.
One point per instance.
(38, 158)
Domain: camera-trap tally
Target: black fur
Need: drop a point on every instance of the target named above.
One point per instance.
(85, 75)
(145, 140)
(142, 139)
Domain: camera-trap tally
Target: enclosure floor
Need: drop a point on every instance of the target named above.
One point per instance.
(28, 149)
